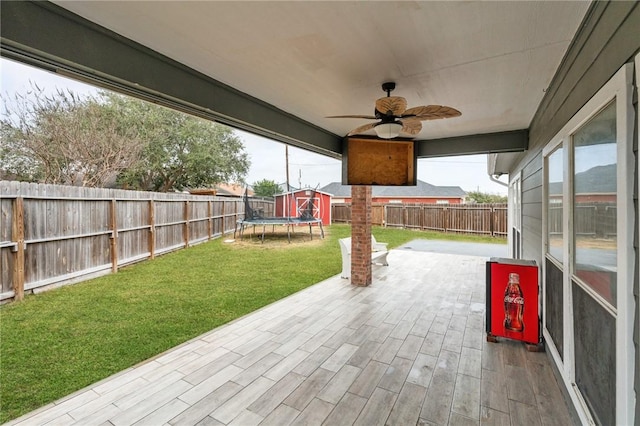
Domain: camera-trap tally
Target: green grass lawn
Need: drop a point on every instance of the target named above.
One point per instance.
(57, 342)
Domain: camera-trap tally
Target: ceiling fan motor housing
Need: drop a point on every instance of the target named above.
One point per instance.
(388, 87)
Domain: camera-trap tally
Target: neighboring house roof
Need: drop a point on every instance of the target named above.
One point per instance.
(203, 191)
(283, 188)
(421, 189)
(231, 189)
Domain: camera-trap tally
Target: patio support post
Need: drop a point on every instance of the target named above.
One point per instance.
(361, 235)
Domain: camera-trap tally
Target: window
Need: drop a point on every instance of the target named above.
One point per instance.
(515, 216)
(555, 172)
(595, 203)
(589, 267)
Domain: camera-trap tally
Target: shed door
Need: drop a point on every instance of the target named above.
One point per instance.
(305, 205)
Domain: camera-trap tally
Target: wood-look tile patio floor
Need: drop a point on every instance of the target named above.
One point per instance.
(409, 349)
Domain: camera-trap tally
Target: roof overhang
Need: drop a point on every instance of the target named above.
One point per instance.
(497, 78)
(127, 66)
(502, 164)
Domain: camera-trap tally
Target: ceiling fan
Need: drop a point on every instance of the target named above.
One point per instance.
(395, 118)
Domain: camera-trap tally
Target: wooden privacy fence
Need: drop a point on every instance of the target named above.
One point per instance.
(52, 234)
(589, 219)
(488, 219)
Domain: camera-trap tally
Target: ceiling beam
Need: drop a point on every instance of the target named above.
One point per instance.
(490, 143)
(50, 37)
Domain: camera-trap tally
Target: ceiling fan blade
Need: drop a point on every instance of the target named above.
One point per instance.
(430, 112)
(411, 127)
(367, 117)
(394, 104)
(362, 129)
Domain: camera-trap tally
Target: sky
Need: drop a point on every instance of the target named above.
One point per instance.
(268, 157)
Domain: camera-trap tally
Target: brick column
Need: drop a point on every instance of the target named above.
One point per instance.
(360, 235)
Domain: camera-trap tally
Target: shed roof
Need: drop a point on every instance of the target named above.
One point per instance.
(295, 190)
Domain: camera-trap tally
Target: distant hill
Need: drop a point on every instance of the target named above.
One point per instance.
(599, 179)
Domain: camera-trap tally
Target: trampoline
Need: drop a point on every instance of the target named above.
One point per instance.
(255, 218)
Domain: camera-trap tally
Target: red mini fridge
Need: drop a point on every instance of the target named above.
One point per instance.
(512, 300)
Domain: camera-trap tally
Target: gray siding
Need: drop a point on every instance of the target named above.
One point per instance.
(532, 207)
(608, 38)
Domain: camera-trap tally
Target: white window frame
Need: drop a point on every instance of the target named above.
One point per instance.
(620, 88)
(515, 183)
(567, 313)
(565, 362)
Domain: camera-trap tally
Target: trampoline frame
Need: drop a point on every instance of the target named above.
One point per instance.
(273, 221)
(254, 218)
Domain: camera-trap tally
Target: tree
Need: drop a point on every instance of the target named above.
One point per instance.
(94, 141)
(485, 198)
(182, 151)
(266, 188)
(64, 139)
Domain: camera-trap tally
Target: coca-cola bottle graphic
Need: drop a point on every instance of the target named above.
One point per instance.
(513, 304)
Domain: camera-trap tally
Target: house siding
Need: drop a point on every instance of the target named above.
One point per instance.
(531, 168)
(608, 38)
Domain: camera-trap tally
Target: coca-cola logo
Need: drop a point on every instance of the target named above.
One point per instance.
(514, 299)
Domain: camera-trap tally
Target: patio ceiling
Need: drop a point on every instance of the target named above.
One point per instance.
(300, 62)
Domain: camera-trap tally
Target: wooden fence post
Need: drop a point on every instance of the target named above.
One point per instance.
(385, 219)
(185, 232)
(223, 220)
(114, 237)
(209, 219)
(492, 214)
(405, 216)
(152, 229)
(445, 212)
(18, 237)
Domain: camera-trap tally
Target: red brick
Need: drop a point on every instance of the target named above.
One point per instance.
(361, 235)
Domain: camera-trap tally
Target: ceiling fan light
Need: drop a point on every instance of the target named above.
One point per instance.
(388, 130)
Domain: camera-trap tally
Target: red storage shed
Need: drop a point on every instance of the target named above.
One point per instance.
(295, 203)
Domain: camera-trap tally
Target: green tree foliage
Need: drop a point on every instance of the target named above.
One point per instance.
(63, 139)
(97, 141)
(266, 188)
(181, 151)
(485, 198)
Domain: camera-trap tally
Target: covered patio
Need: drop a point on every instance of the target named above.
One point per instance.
(526, 77)
(408, 349)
